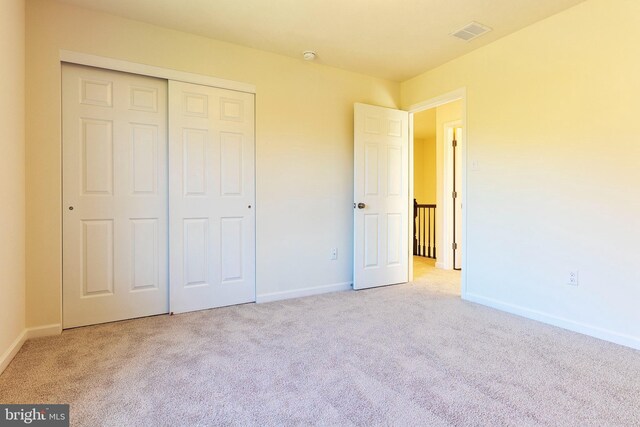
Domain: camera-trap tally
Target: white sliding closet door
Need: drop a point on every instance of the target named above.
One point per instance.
(211, 197)
(114, 195)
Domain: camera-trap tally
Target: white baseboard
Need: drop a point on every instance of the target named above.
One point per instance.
(582, 328)
(14, 348)
(440, 265)
(298, 293)
(44, 331)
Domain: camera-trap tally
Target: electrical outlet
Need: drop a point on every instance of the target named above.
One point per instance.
(334, 254)
(572, 278)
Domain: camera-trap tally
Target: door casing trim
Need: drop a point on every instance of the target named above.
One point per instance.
(153, 71)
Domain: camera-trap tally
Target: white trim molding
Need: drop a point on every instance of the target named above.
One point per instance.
(412, 195)
(153, 71)
(299, 293)
(44, 331)
(37, 332)
(439, 100)
(11, 352)
(571, 325)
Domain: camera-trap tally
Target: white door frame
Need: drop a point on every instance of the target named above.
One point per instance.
(456, 95)
(152, 71)
(113, 64)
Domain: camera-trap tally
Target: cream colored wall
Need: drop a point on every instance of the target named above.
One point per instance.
(424, 161)
(304, 127)
(424, 156)
(552, 127)
(12, 170)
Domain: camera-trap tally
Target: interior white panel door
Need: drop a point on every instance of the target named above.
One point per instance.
(381, 178)
(211, 197)
(114, 131)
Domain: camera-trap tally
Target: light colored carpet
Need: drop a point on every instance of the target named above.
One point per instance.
(401, 355)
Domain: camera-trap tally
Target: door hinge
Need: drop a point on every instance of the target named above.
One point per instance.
(454, 194)
(454, 143)
(454, 246)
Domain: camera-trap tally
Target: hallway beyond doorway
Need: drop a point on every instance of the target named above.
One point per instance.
(436, 279)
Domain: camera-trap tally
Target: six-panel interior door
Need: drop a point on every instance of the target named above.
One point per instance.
(381, 178)
(211, 195)
(114, 196)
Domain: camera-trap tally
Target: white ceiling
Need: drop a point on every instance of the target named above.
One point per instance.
(393, 39)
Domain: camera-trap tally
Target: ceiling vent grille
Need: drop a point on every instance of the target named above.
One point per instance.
(471, 31)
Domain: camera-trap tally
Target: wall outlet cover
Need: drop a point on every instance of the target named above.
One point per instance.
(572, 278)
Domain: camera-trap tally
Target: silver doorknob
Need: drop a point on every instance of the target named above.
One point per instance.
(361, 205)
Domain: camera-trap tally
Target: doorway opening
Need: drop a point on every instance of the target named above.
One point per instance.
(438, 185)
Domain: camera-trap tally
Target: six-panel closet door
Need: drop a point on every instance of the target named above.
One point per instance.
(158, 196)
(114, 132)
(381, 191)
(211, 197)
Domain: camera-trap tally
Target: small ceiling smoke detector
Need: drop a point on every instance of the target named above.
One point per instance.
(309, 55)
(471, 31)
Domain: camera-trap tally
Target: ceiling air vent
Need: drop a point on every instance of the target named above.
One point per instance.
(471, 31)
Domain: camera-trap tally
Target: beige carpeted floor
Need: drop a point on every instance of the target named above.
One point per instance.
(411, 354)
